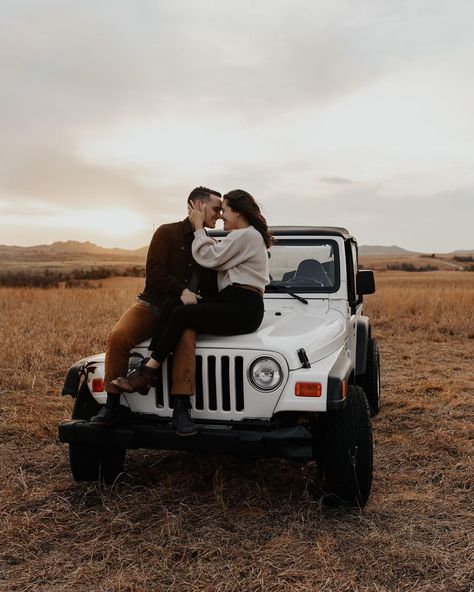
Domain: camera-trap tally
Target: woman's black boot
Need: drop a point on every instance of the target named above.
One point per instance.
(110, 413)
(182, 421)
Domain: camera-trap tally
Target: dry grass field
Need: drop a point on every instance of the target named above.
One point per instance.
(179, 522)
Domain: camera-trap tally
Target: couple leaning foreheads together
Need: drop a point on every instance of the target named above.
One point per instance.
(194, 284)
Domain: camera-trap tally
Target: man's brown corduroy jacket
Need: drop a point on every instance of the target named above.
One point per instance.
(170, 267)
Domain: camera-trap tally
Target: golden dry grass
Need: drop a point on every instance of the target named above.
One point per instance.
(186, 522)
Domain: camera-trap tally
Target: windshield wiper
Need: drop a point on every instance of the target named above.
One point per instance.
(283, 288)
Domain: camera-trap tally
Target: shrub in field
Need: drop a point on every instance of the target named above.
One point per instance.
(463, 259)
(410, 267)
(135, 271)
(76, 278)
(34, 280)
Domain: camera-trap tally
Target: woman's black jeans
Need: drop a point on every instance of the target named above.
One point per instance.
(234, 311)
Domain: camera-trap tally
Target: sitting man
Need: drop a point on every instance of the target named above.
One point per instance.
(173, 278)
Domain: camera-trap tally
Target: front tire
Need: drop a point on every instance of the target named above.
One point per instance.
(343, 449)
(91, 462)
(370, 380)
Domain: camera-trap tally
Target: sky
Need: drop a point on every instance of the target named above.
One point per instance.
(329, 112)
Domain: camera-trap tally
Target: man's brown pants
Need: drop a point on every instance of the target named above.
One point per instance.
(135, 325)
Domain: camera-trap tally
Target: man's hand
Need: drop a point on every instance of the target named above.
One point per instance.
(197, 214)
(188, 297)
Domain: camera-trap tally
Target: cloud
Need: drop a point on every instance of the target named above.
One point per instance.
(420, 222)
(336, 180)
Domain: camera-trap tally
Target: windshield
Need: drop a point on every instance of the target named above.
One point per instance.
(306, 265)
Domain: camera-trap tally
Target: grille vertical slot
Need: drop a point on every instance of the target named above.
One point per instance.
(239, 383)
(225, 383)
(211, 380)
(169, 377)
(199, 402)
(159, 398)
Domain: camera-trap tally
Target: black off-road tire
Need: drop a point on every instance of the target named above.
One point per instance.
(343, 449)
(370, 381)
(91, 462)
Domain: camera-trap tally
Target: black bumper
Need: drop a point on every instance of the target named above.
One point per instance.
(288, 442)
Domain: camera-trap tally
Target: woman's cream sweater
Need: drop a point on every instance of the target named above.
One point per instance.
(240, 257)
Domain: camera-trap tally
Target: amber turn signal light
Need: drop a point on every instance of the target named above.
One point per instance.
(308, 389)
(344, 389)
(97, 385)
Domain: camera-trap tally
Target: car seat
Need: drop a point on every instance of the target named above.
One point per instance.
(313, 270)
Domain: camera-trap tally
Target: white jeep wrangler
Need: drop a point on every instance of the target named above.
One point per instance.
(302, 387)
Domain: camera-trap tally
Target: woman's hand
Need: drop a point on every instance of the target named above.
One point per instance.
(197, 215)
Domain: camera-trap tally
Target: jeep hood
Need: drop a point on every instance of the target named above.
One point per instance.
(319, 333)
(318, 330)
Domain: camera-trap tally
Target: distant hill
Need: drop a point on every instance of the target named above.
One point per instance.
(86, 247)
(379, 250)
(462, 253)
(69, 249)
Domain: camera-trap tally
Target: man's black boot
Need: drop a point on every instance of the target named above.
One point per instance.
(182, 421)
(110, 413)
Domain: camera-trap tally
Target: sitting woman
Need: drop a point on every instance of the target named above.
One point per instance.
(242, 263)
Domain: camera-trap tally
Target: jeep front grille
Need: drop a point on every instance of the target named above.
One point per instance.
(219, 383)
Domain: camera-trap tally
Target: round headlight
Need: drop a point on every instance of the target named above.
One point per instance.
(265, 374)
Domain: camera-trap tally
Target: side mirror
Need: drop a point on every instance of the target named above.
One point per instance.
(365, 282)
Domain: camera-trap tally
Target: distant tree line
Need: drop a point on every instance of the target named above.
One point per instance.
(463, 258)
(410, 267)
(51, 278)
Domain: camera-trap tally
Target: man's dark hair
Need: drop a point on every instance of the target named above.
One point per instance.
(202, 194)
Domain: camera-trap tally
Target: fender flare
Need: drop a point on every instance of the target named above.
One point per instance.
(74, 375)
(363, 335)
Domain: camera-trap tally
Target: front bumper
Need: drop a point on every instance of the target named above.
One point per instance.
(293, 442)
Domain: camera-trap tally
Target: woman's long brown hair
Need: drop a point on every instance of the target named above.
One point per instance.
(242, 202)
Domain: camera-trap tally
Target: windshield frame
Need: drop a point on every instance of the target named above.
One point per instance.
(299, 241)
